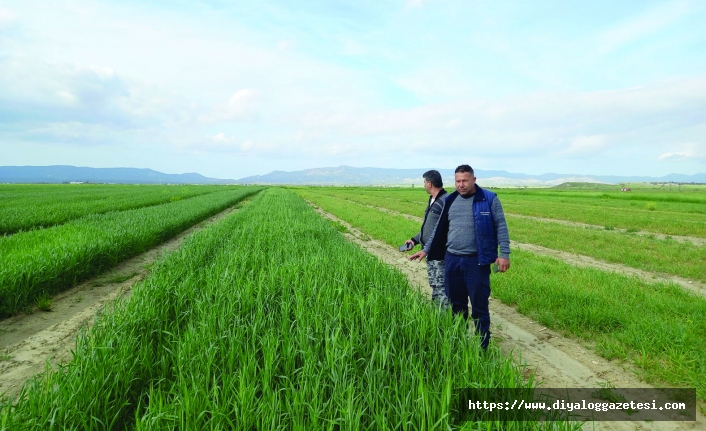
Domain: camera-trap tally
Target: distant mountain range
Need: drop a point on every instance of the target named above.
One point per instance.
(347, 175)
(341, 175)
(68, 174)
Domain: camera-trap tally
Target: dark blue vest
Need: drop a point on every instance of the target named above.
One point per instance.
(486, 238)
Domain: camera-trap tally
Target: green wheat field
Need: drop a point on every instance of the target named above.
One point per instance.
(271, 319)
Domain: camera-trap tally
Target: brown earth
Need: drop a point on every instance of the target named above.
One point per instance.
(556, 361)
(693, 286)
(687, 239)
(28, 342)
(697, 241)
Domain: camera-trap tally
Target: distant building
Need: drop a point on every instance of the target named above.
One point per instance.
(626, 189)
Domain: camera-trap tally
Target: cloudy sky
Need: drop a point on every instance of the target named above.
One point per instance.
(230, 89)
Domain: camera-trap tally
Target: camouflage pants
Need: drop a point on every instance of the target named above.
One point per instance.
(435, 271)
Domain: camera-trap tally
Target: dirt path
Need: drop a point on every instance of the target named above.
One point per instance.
(693, 286)
(686, 239)
(697, 241)
(556, 361)
(29, 341)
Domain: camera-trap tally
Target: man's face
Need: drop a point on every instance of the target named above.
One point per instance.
(465, 183)
(427, 186)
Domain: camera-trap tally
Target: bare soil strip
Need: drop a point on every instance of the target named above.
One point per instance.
(28, 342)
(555, 361)
(693, 286)
(686, 239)
(690, 239)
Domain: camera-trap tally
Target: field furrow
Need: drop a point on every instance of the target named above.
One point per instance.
(246, 326)
(35, 206)
(648, 257)
(30, 341)
(270, 319)
(650, 324)
(685, 239)
(552, 359)
(680, 215)
(694, 286)
(40, 263)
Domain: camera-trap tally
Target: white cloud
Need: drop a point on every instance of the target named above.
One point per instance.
(690, 152)
(224, 143)
(219, 143)
(434, 82)
(285, 45)
(676, 157)
(353, 47)
(97, 88)
(453, 123)
(583, 146)
(67, 97)
(222, 137)
(241, 102)
(444, 80)
(340, 149)
(262, 148)
(75, 133)
(247, 146)
(7, 17)
(645, 25)
(241, 106)
(551, 125)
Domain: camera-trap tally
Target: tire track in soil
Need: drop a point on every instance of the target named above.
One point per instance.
(555, 361)
(697, 241)
(685, 239)
(29, 341)
(580, 260)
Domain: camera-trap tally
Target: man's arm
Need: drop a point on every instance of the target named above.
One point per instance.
(501, 234)
(427, 247)
(425, 251)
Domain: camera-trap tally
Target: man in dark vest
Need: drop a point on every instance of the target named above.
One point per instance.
(470, 229)
(435, 268)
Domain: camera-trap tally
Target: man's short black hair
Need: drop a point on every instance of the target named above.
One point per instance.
(434, 177)
(464, 168)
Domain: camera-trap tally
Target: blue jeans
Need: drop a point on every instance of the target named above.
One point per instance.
(464, 279)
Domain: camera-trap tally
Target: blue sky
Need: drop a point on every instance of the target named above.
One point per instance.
(232, 89)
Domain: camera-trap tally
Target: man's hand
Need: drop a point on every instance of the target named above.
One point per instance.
(409, 242)
(418, 255)
(503, 264)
